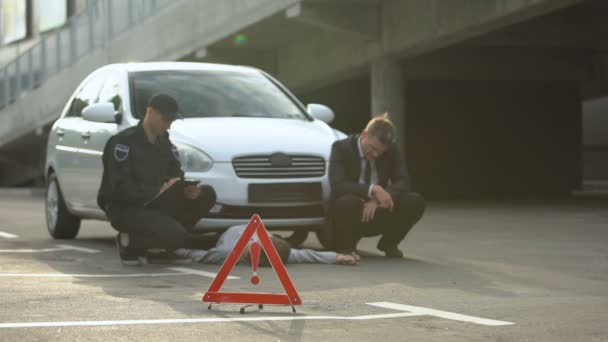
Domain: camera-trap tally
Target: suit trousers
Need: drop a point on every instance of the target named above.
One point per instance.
(163, 227)
(393, 225)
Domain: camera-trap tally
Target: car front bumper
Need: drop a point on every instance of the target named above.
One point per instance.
(234, 206)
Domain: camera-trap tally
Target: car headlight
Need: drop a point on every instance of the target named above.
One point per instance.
(193, 159)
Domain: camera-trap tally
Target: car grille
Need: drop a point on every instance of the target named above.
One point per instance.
(285, 192)
(262, 166)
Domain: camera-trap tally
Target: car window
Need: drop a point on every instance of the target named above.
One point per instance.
(87, 95)
(111, 91)
(210, 93)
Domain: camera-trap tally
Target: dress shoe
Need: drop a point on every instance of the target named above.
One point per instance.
(391, 251)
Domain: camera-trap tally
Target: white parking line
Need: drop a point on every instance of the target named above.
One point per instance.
(198, 272)
(80, 249)
(179, 271)
(198, 320)
(413, 311)
(27, 250)
(63, 275)
(46, 250)
(438, 313)
(8, 235)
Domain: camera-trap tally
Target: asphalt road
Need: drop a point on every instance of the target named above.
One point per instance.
(471, 272)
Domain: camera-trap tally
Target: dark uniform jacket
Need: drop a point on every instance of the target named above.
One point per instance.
(134, 169)
(345, 169)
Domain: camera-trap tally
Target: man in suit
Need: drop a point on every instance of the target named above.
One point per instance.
(370, 192)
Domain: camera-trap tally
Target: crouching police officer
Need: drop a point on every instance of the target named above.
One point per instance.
(139, 164)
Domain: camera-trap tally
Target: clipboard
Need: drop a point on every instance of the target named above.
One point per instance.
(169, 197)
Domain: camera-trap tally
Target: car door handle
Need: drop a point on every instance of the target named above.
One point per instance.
(85, 135)
(60, 132)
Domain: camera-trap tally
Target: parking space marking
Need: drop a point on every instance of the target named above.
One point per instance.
(58, 248)
(197, 320)
(8, 235)
(80, 249)
(27, 250)
(178, 271)
(64, 275)
(413, 311)
(438, 313)
(199, 272)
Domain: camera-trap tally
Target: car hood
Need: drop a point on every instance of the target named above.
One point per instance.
(226, 138)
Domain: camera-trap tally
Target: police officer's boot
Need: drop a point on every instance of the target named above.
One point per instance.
(129, 256)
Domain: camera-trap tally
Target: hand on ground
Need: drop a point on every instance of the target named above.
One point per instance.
(345, 259)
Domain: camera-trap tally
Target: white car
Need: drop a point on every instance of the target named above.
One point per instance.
(244, 134)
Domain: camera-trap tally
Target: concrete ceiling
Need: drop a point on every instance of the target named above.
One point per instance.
(281, 29)
(269, 34)
(579, 27)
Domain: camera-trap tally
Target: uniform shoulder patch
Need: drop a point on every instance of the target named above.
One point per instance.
(121, 152)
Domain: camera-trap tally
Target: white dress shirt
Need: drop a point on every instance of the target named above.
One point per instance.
(373, 173)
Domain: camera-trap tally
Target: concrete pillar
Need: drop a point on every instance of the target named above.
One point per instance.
(388, 91)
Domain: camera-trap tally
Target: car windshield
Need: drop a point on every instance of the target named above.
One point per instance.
(211, 93)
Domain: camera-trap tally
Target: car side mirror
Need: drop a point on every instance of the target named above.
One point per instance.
(100, 112)
(321, 112)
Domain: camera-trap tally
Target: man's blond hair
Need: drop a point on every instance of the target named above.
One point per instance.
(382, 128)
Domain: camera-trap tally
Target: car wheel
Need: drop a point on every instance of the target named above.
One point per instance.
(60, 223)
(297, 238)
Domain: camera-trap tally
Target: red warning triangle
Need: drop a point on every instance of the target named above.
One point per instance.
(291, 297)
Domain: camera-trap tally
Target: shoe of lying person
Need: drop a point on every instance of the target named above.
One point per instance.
(129, 256)
(162, 256)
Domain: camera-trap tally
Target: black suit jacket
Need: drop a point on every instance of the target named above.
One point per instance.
(345, 169)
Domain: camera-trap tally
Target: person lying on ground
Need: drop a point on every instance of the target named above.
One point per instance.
(288, 255)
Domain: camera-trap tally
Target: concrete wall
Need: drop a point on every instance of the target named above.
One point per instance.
(476, 139)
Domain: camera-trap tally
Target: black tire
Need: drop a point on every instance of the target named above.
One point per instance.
(297, 238)
(60, 223)
(325, 237)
